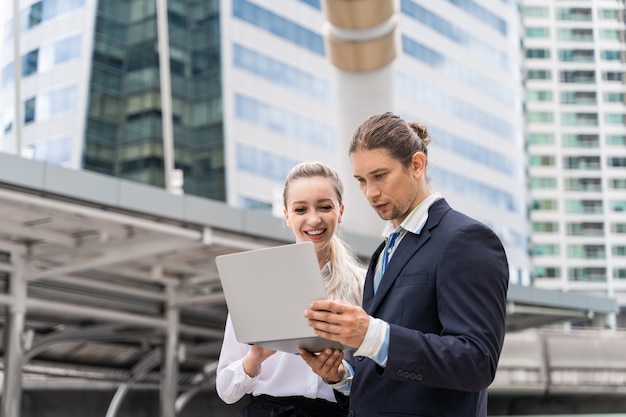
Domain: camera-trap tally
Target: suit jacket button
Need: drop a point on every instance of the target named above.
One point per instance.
(351, 413)
(399, 373)
(419, 377)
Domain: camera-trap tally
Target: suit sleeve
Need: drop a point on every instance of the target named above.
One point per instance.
(462, 351)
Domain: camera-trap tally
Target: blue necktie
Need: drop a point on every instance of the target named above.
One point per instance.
(386, 255)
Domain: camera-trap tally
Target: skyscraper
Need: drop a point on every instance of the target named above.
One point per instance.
(576, 140)
(243, 90)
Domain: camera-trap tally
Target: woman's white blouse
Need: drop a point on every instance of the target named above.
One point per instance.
(282, 374)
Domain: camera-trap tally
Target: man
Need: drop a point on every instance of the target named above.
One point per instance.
(429, 335)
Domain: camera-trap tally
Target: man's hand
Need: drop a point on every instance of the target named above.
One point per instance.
(338, 321)
(326, 364)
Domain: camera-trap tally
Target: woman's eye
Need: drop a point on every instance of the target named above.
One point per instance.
(300, 210)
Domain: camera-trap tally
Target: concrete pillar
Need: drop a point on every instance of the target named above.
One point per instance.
(361, 42)
(169, 367)
(13, 341)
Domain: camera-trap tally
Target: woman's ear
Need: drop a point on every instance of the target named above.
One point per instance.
(286, 218)
(340, 213)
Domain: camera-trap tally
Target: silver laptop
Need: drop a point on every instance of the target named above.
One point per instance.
(267, 291)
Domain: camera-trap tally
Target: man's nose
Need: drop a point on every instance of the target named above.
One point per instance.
(371, 191)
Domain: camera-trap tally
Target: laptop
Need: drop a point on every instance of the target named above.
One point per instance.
(267, 291)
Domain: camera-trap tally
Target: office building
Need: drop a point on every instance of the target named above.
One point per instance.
(576, 140)
(249, 91)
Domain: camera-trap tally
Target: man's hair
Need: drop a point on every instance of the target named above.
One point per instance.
(387, 131)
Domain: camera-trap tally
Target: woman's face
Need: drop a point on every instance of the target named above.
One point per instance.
(313, 211)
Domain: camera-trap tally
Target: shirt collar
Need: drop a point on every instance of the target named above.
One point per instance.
(416, 218)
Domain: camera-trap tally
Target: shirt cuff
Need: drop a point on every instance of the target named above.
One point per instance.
(375, 344)
(344, 385)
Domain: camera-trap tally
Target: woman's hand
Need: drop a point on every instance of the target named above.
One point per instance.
(254, 358)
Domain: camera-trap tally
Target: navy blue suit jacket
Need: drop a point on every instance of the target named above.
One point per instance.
(444, 297)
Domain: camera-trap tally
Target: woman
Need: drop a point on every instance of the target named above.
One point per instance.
(282, 384)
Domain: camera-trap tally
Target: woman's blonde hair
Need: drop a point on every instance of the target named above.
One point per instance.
(346, 281)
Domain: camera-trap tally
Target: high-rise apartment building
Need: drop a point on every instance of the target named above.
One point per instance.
(246, 90)
(575, 64)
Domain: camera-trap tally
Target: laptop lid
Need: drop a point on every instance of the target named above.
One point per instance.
(267, 291)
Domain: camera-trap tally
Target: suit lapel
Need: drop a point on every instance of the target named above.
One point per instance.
(368, 289)
(407, 248)
(409, 244)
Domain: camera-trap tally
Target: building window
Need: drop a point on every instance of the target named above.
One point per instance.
(583, 184)
(29, 63)
(586, 252)
(535, 117)
(544, 205)
(535, 11)
(35, 14)
(585, 229)
(619, 273)
(612, 75)
(619, 250)
(278, 25)
(616, 162)
(578, 97)
(538, 53)
(581, 141)
(547, 272)
(67, 49)
(545, 227)
(611, 55)
(576, 55)
(583, 206)
(617, 183)
(545, 249)
(578, 77)
(618, 205)
(587, 274)
(577, 35)
(609, 34)
(536, 95)
(617, 140)
(610, 14)
(537, 32)
(542, 183)
(541, 161)
(54, 151)
(618, 228)
(581, 162)
(579, 119)
(541, 138)
(538, 74)
(578, 14)
(29, 111)
(614, 119)
(614, 97)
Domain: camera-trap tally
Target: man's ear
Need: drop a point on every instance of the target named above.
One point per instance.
(418, 163)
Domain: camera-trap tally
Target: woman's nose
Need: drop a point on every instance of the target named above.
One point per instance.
(315, 217)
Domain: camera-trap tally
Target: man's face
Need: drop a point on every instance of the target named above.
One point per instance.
(391, 189)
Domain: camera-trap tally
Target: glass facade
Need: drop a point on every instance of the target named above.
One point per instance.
(124, 132)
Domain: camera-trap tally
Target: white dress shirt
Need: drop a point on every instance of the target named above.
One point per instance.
(282, 374)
